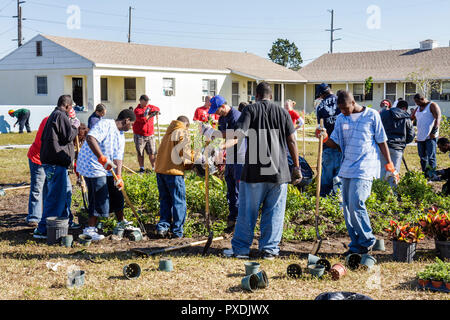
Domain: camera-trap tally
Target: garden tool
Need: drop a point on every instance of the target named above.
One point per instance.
(157, 126)
(318, 242)
(404, 162)
(127, 200)
(84, 192)
(3, 191)
(304, 143)
(173, 248)
(207, 216)
(128, 169)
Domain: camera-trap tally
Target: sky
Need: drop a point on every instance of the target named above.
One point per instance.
(235, 25)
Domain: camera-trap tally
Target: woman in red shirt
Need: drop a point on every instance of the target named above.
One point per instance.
(295, 116)
(38, 183)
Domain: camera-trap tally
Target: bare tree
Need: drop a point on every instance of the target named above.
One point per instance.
(425, 81)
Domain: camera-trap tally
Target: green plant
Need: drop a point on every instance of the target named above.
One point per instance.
(436, 224)
(404, 232)
(414, 186)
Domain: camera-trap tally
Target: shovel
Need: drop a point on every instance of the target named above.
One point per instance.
(318, 242)
(84, 192)
(3, 191)
(127, 200)
(207, 216)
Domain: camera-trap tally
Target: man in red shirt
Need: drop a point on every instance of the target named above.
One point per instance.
(201, 113)
(38, 183)
(295, 116)
(144, 131)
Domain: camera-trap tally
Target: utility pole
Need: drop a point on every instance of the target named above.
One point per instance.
(332, 30)
(129, 24)
(19, 23)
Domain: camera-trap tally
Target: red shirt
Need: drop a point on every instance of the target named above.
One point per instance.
(201, 114)
(34, 153)
(294, 116)
(142, 126)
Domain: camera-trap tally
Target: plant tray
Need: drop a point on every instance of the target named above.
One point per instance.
(429, 286)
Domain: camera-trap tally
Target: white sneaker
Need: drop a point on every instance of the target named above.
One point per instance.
(92, 232)
(230, 254)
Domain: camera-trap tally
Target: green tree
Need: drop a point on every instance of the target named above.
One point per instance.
(286, 54)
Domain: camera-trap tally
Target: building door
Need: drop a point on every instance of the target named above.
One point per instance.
(77, 91)
(235, 94)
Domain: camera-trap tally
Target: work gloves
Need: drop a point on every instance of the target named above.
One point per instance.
(321, 132)
(106, 163)
(207, 131)
(119, 183)
(296, 176)
(75, 123)
(391, 172)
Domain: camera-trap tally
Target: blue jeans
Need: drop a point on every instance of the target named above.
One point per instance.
(355, 193)
(331, 163)
(272, 196)
(396, 157)
(172, 203)
(58, 198)
(38, 187)
(232, 191)
(427, 154)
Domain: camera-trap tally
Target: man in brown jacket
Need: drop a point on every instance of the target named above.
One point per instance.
(174, 157)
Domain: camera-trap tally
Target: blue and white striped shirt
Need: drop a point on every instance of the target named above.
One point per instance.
(358, 141)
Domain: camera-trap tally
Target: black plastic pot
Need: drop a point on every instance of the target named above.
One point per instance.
(325, 263)
(57, 228)
(403, 251)
(132, 271)
(294, 271)
(443, 248)
(352, 261)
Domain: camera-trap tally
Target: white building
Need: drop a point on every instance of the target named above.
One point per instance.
(116, 74)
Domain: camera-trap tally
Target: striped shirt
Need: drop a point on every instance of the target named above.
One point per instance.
(358, 140)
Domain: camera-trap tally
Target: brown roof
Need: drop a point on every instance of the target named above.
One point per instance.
(381, 65)
(120, 53)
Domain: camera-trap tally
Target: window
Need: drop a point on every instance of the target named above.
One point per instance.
(130, 89)
(41, 86)
(358, 91)
(168, 86)
(104, 89)
(209, 88)
(410, 91)
(38, 48)
(391, 91)
(277, 92)
(445, 95)
(251, 90)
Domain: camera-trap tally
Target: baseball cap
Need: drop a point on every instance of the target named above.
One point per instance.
(322, 88)
(10, 111)
(216, 102)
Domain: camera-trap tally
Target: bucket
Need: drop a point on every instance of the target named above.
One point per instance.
(84, 239)
(352, 261)
(251, 268)
(379, 245)
(250, 282)
(67, 241)
(443, 248)
(294, 271)
(57, 228)
(368, 261)
(135, 235)
(263, 280)
(132, 271)
(316, 270)
(75, 279)
(403, 251)
(337, 271)
(165, 265)
(118, 232)
(312, 259)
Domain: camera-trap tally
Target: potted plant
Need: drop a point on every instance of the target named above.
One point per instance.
(424, 277)
(438, 274)
(404, 238)
(436, 224)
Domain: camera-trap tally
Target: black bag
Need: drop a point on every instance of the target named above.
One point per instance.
(342, 296)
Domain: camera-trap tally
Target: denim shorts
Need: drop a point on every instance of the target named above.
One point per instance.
(104, 197)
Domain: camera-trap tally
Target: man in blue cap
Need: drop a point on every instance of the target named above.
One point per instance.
(228, 117)
(331, 158)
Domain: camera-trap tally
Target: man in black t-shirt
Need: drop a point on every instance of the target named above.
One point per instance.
(269, 132)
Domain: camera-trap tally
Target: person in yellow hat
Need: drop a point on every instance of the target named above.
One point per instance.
(23, 118)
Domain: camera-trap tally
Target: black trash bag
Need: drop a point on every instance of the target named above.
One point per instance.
(342, 296)
(307, 172)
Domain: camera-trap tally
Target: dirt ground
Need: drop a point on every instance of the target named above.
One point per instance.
(27, 275)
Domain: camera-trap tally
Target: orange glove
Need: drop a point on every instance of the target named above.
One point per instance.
(119, 183)
(106, 163)
(322, 132)
(391, 172)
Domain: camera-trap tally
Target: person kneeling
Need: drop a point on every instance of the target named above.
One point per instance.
(105, 141)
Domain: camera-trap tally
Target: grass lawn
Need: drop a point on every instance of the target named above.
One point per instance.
(26, 276)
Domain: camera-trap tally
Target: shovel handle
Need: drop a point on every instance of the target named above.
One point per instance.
(183, 246)
(319, 177)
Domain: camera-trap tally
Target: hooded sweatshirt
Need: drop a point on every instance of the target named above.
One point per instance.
(399, 128)
(176, 141)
